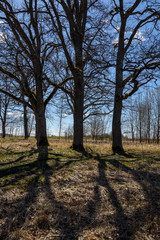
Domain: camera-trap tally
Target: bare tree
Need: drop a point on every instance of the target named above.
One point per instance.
(25, 59)
(4, 105)
(134, 59)
(97, 126)
(77, 37)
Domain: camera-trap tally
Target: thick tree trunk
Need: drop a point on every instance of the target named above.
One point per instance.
(78, 95)
(117, 146)
(41, 133)
(25, 119)
(78, 114)
(41, 136)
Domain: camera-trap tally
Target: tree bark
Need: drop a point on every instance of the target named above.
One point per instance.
(41, 136)
(78, 95)
(25, 119)
(117, 146)
(4, 121)
(41, 133)
(3, 129)
(78, 113)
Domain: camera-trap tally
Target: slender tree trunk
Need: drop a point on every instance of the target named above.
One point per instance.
(132, 132)
(140, 129)
(3, 129)
(60, 119)
(25, 119)
(158, 129)
(4, 121)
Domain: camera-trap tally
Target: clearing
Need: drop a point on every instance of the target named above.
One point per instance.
(79, 197)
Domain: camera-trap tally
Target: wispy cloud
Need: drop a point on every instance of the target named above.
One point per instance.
(15, 114)
(18, 114)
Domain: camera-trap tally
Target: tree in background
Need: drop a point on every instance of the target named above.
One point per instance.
(143, 116)
(4, 105)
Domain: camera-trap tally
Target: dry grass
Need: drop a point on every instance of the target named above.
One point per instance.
(79, 197)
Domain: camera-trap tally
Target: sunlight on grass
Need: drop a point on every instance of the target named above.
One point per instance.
(96, 195)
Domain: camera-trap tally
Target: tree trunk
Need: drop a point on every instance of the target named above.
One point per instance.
(158, 129)
(78, 113)
(25, 119)
(132, 132)
(78, 96)
(4, 121)
(117, 146)
(117, 112)
(3, 129)
(41, 136)
(41, 133)
(116, 127)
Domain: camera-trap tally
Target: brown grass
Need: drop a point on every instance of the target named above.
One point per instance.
(79, 197)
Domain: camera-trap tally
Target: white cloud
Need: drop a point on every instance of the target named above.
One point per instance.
(139, 36)
(115, 41)
(2, 37)
(1, 23)
(106, 20)
(16, 114)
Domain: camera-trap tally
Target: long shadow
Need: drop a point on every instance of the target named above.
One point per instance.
(67, 224)
(18, 159)
(147, 180)
(150, 185)
(124, 229)
(25, 170)
(16, 216)
(70, 223)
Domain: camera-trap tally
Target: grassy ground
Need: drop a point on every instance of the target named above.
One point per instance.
(79, 197)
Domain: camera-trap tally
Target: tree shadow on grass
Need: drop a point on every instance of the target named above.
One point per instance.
(16, 211)
(18, 160)
(124, 229)
(149, 182)
(66, 223)
(71, 223)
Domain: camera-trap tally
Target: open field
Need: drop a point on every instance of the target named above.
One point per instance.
(79, 197)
